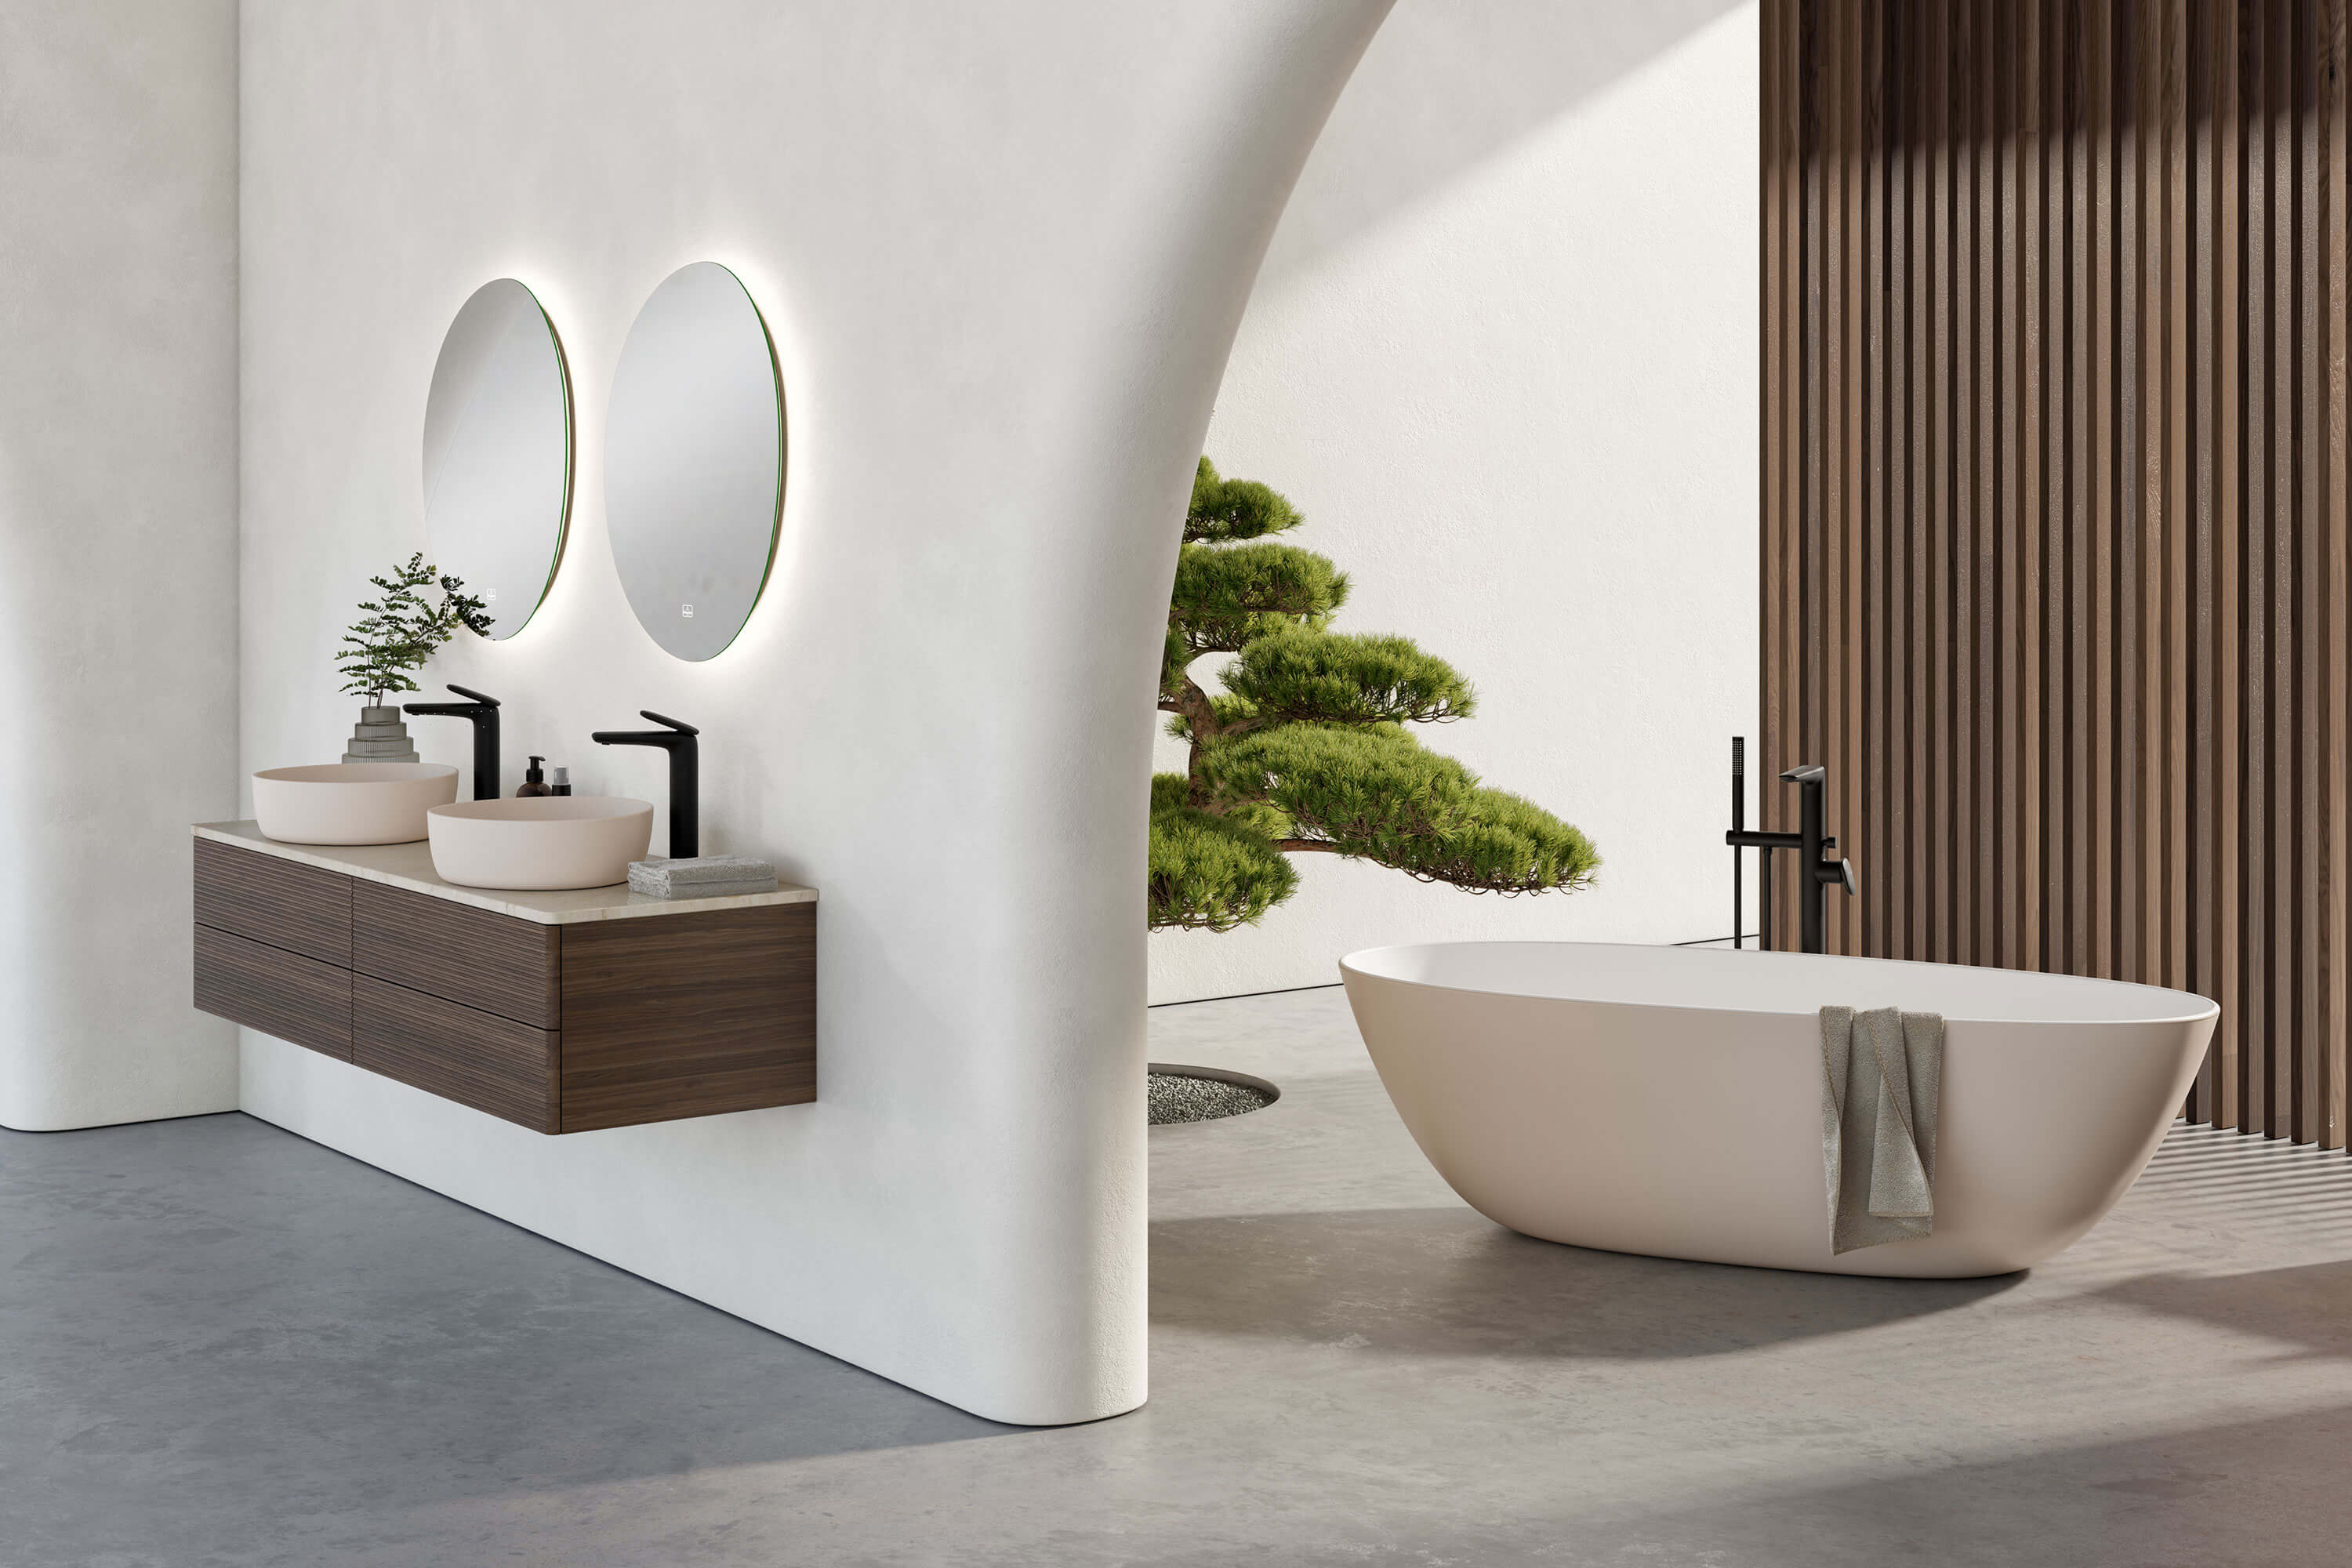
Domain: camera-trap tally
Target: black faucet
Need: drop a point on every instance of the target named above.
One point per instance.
(684, 778)
(1815, 871)
(484, 711)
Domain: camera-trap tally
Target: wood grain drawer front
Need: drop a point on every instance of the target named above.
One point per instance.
(491, 962)
(301, 908)
(278, 993)
(689, 1016)
(474, 1057)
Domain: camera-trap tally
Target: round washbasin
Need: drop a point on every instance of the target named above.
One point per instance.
(350, 802)
(540, 842)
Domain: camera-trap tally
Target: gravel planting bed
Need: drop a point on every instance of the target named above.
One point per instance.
(1188, 1094)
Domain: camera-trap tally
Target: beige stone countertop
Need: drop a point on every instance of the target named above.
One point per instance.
(410, 866)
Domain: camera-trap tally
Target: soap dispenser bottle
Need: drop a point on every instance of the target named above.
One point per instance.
(534, 781)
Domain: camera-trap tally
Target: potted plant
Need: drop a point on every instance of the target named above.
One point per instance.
(1306, 749)
(397, 631)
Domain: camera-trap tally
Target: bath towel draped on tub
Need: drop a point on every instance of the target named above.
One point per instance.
(1881, 1080)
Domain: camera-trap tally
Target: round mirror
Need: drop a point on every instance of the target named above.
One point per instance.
(694, 460)
(497, 453)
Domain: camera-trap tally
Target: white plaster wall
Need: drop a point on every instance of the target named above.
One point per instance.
(117, 545)
(1503, 354)
(1003, 249)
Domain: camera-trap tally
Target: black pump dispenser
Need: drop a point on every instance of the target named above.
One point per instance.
(533, 781)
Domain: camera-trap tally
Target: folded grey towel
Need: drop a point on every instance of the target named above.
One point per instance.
(1882, 1089)
(702, 889)
(704, 868)
(649, 878)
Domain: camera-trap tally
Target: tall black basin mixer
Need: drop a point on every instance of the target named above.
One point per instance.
(685, 776)
(1815, 871)
(484, 712)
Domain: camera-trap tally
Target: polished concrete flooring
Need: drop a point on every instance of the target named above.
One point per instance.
(220, 1344)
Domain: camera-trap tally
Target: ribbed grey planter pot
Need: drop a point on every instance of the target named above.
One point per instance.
(381, 736)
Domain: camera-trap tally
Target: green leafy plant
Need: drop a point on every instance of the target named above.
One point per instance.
(1305, 752)
(399, 629)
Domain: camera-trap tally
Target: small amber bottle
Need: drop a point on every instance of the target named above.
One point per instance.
(534, 781)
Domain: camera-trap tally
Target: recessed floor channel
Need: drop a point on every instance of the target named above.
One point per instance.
(220, 1344)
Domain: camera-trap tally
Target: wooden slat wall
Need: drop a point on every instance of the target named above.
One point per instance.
(2056, 499)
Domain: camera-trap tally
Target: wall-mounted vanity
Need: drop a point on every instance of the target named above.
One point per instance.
(562, 1012)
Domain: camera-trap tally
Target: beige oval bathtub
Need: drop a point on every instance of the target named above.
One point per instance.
(1668, 1100)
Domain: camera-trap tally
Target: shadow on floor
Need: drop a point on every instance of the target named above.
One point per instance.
(1449, 1281)
(196, 1315)
(2250, 1187)
(2258, 1494)
(2308, 1307)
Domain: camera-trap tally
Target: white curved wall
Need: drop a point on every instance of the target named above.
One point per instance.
(118, 546)
(1003, 249)
(1504, 356)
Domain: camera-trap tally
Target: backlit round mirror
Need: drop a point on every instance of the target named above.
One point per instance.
(694, 460)
(497, 453)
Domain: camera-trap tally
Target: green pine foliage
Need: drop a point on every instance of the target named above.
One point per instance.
(1225, 510)
(399, 629)
(1211, 872)
(1236, 593)
(1297, 677)
(1305, 750)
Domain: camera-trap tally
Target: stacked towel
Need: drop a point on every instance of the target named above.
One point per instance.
(1882, 1087)
(702, 877)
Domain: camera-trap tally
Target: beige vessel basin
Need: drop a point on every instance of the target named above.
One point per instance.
(350, 802)
(540, 842)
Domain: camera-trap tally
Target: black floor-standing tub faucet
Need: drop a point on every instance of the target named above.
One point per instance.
(1815, 871)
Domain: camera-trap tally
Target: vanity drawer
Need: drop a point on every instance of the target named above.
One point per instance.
(301, 908)
(472, 957)
(692, 1014)
(278, 993)
(491, 1063)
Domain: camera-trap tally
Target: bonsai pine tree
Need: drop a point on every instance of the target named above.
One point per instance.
(399, 630)
(1306, 751)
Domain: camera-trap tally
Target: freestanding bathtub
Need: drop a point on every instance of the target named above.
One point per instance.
(1668, 1100)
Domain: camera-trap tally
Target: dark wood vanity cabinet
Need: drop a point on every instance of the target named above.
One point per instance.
(561, 1028)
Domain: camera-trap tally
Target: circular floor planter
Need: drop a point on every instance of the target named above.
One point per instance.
(1179, 1093)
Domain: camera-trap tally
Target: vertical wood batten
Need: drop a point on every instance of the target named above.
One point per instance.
(1991, 458)
(2226, 909)
(1847, 733)
(2106, 456)
(2253, 550)
(1815, 584)
(2306, 1095)
(2055, 500)
(2198, 261)
(1864, 831)
(2180, 637)
(1919, 862)
(2278, 679)
(2007, 767)
(2336, 196)
(1772, 178)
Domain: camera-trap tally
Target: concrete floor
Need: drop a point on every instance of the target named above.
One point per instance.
(222, 1345)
